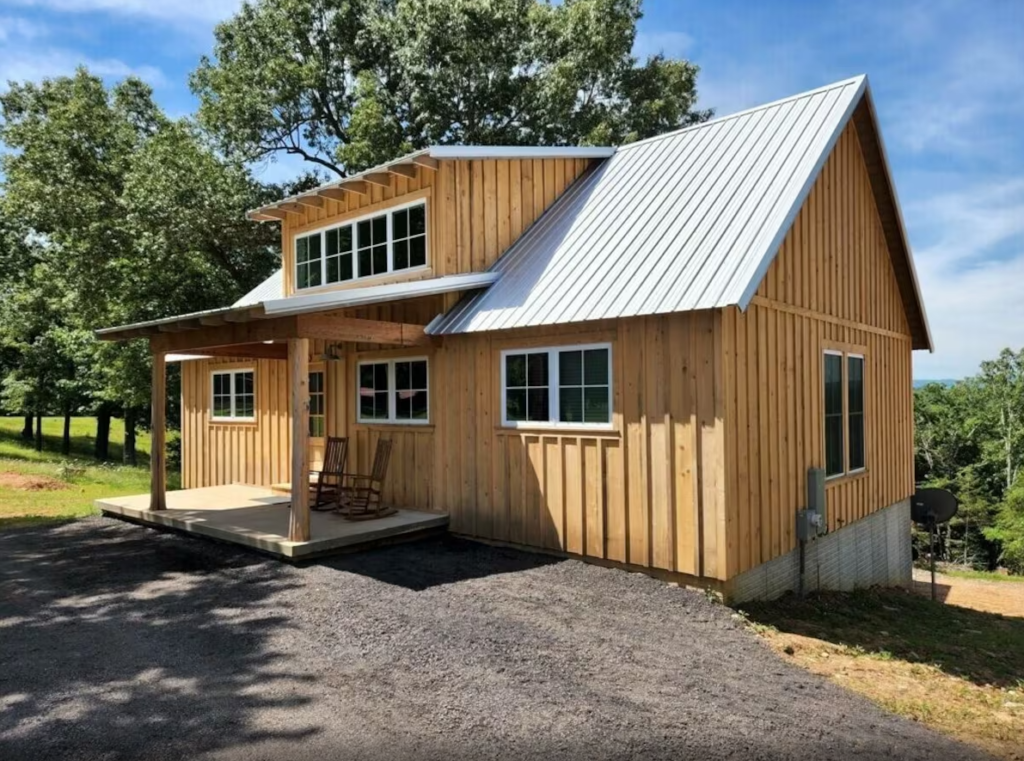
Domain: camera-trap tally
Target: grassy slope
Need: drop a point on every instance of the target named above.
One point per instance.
(957, 670)
(19, 507)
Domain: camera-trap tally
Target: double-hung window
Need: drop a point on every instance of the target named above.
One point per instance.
(234, 395)
(843, 380)
(566, 386)
(376, 244)
(394, 391)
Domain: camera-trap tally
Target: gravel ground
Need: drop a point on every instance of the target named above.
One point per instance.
(119, 642)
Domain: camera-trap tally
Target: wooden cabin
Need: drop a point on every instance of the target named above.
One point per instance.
(630, 355)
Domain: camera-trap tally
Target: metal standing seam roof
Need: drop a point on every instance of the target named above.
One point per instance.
(271, 288)
(684, 221)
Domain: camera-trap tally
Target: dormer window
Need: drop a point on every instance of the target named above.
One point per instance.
(369, 246)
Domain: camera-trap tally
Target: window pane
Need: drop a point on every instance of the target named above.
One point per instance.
(833, 380)
(403, 405)
(400, 224)
(380, 405)
(419, 374)
(345, 238)
(244, 407)
(403, 379)
(570, 403)
(401, 255)
(364, 263)
(595, 367)
(537, 404)
(380, 259)
(417, 220)
(314, 247)
(301, 251)
(856, 442)
(515, 370)
(243, 383)
(570, 368)
(380, 228)
(313, 274)
(221, 406)
(332, 241)
(302, 276)
(221, 383)
(595, 405)
(380, 376)
(345, 267)
(333, 270)
(316, 427)
(366, 376)
(515, 404)
(537, 369)
(364, 239)
(855, 381)
(417, 252)
(419, 405)
(365, 404)
(316, 382)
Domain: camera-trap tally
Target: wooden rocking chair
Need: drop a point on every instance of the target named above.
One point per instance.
(360, 495)
(330, 477)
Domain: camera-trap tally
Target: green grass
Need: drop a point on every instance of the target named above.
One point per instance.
(958, 670)
(89, 481)
(980, 575)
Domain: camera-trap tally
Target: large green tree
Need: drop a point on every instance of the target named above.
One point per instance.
(138, 216)
(346, 84)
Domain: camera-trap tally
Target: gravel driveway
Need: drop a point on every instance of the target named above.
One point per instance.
(119, 642)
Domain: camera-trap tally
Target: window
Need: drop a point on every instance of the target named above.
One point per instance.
(394, 391)
(844, 413)
(391, 241)
(317, 405)
(568, 386)
(234, 395)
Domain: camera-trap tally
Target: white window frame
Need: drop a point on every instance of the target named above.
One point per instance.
(845, 382)
(554, 387)
(392, 419)
(354, 222)
(233, 418)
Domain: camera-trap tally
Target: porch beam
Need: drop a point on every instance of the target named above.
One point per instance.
(298, 372)
(250, 351)
(330, 327)
(157, 454)
(230, 334)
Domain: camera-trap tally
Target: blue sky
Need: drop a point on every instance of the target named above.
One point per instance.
(948, 79)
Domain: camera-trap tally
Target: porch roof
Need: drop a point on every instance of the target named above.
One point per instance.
(324, 301)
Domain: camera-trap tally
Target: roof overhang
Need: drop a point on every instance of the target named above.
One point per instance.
(408, 166)
(324, 301)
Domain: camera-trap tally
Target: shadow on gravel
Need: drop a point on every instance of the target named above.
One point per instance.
(434, 562)
(118, 641)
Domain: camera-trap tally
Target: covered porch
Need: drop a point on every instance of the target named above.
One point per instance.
(260, 518)
(251, 507)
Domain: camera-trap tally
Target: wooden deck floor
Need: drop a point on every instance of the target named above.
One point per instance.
(257, 517)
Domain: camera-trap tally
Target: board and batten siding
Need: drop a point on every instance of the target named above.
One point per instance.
(832, 286)
(645, 493)
(476, 209)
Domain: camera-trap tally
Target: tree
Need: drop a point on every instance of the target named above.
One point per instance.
(346, 84)
(139, 218)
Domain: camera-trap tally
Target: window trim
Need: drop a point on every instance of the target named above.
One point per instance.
(391, 418)
(844, 355)
(554, 388)
(233, 418)
(354, 221)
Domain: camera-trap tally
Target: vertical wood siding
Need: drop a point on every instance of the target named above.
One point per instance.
(645, 493)
(831, 286)
(476, 209)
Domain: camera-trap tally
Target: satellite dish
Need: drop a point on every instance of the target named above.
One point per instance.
(933, 506)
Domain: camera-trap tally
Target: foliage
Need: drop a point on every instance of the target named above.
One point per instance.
(346, 84)
(969, 438)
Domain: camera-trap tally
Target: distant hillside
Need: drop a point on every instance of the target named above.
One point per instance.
(926, 381)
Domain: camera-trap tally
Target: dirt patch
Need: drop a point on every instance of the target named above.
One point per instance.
(1001, 597)
(23, 482)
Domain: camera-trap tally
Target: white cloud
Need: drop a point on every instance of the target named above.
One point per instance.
(970, 275)
(35, 64)
(178, 12)
(20, 28)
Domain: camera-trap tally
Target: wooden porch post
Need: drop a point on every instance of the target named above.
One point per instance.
(298, 372)
(157, 454)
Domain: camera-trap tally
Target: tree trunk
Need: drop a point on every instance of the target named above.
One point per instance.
(130, 414)
(26, 430)
(65, 443)
(103, 433)
(39, 432)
